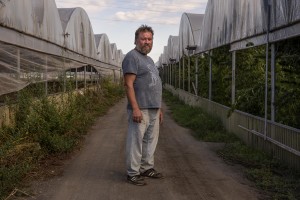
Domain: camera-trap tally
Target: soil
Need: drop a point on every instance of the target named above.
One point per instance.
(192, 169)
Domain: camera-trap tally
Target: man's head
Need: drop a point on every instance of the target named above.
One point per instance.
(144, 39)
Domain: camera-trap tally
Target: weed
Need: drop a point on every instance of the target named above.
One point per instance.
(48, 125)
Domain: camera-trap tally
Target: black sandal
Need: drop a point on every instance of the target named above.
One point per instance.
(152, 173)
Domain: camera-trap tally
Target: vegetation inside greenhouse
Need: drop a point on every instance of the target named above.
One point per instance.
(249, 79)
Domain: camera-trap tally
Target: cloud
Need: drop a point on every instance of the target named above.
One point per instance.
(90, 6)
(160, 11)
(145, 16)
(175, 5)
(155, 11)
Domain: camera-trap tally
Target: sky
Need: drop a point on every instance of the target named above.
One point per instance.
(119, 19)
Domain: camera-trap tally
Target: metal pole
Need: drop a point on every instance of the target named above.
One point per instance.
(189, 74)
(170, 73)
(179, 74)
(196, 78)
(64, 76)
(46, 75)
(183, 84)
(173, 74)
(266, 73)
(84, 76)
(233, 78)
(18, 63)
(273, 81)
(175, 77)
(114, 71)
(76, 80)
(210, 76)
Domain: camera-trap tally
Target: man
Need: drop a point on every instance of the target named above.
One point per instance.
(144, 94)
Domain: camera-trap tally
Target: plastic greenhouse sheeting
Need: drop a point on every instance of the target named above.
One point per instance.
(173, 47)
(78, 32)
(238, 23)
(245, 22)
(39, 18)
(20, 67)
(103, 47)
(39, 42)
(165, 57)
(189, 34)
(114, 52)
(189, 31)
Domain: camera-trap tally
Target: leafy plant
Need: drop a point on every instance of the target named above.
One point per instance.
(48, 125)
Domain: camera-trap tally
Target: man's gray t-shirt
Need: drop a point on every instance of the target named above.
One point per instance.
(147, 85)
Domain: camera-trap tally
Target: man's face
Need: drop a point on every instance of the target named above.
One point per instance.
(144, 42)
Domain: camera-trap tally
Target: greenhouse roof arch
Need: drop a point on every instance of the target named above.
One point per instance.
(114, 49)
(165, 56)
(159, 62)
(103, 47)
(189, 31)
(119, 57)
(78, 32)
(38, 41)
(115, 55)
(173, 48)
(36, 25)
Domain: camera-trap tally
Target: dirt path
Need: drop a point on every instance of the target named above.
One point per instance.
(192, 169)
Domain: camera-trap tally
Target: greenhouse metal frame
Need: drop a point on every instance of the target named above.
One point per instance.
(241, 25)
(40, 42)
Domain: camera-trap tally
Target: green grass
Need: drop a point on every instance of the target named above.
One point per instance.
(48, 126)
(272, 177)
(205, 127)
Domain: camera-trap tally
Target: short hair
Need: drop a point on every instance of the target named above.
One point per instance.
(143, 28)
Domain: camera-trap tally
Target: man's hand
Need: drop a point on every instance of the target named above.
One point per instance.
(137, 116)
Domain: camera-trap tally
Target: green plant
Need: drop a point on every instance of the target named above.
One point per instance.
(48, 126)
(205, 127)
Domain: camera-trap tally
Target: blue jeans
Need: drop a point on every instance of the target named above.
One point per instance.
(141, 141)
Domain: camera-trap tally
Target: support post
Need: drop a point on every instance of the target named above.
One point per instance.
(210, 76)
(189, 74)
(76, 79)
(266, 73)
(46, 75)
(18, 63)
(64, 76)
(196, 78)
(233, 78)
(179, 74)
(273, 81)
(183, 74)
(84, 76)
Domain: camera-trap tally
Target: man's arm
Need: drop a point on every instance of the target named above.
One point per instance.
(128, 83)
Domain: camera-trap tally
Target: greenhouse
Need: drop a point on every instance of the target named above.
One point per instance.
(240, 61)
(47, 44)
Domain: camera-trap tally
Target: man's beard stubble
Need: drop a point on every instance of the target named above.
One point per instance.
(144, 49)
